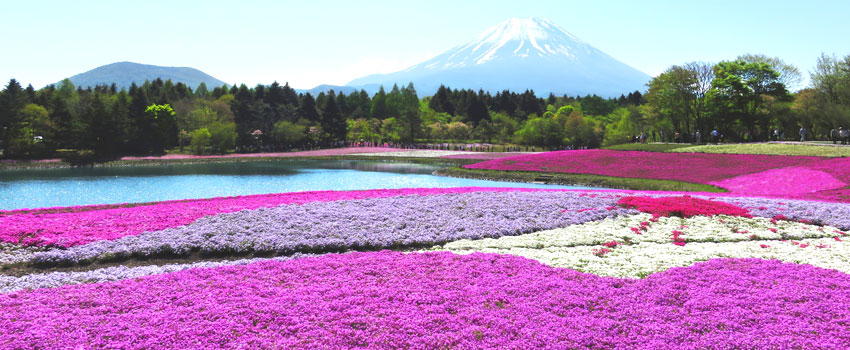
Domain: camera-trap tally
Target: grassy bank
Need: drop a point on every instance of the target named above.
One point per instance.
(580, 180)
(159, 162)
(777, 149)
(648, 147)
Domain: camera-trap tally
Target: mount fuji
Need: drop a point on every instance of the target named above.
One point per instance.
(519, 54)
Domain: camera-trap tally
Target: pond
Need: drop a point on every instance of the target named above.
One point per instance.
(38, 188)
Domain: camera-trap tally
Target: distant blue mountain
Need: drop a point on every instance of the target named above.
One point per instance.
(124, 74)
(519, 54)
(325, 88)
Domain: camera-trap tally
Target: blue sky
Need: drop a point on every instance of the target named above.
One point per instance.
(313, 42)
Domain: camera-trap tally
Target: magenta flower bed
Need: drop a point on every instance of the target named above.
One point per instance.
(784, 182)
(81, 225)
(436, 301)
(316, 153)
(688, 167)
(684, 206)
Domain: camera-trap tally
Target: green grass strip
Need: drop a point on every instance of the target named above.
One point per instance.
(581, 180)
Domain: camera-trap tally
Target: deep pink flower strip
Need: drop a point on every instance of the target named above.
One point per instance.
(436, 301)
(57, 227)
(688, 167)
(683, 206)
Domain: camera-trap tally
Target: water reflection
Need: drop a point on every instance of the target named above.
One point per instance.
(36, 188)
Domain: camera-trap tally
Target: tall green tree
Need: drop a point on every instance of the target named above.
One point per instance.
(308, 110)
(379, 104)
(332, 121)
(409, 113)
(740, 88)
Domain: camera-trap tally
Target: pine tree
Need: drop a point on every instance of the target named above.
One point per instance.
(332, 121)
(307, 110)
(409, 113)
(440, 102)
(379, 104)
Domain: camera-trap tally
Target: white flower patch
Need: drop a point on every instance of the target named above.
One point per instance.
(642, 259)
(639, 228)
(639, 255)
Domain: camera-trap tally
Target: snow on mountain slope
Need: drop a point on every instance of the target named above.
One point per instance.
(520, 54)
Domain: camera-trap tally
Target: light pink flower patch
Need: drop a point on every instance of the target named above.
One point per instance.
(316, 153)
(786, 182)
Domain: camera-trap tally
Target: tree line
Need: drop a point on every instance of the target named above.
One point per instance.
(745, 99)
(749, 98)
(161, 115)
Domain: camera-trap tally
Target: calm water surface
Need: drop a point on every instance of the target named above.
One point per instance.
(36, 188)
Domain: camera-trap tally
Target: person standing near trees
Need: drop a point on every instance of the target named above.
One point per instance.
(803, 132)
(833, 134)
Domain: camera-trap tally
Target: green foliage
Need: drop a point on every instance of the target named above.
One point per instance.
(458, 131)
(289, 134)
(162, 126)
(27, 138)
(363, 129)
(391, 130)
(222, 136)
(504, 126)
(595, 105)
(201, 140)
(540, 131)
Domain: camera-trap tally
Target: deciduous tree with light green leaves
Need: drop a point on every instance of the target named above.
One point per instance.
(164, 130)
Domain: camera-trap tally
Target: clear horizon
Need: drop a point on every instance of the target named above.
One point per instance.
(336, 42)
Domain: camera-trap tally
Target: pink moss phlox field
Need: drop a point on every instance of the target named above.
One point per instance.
(783, 182)
(439, 300)
(316, 153)
(688, 167)
(71, 228)
(682, 206)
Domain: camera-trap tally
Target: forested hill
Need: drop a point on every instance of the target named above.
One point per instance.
(123, 74)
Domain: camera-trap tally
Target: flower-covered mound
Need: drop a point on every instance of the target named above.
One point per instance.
(801, 177)
(687, 167)
(363, 224)
(72, 226)
(439, 300)
(684, 206)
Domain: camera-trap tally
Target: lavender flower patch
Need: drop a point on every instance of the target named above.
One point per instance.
(826, 213)
(10, 253)
(10, 284)
(367, 224)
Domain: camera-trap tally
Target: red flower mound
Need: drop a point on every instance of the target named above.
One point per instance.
(685, 206)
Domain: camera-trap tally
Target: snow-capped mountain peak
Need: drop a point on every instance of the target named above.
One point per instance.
(519, 54)
(516, 37)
